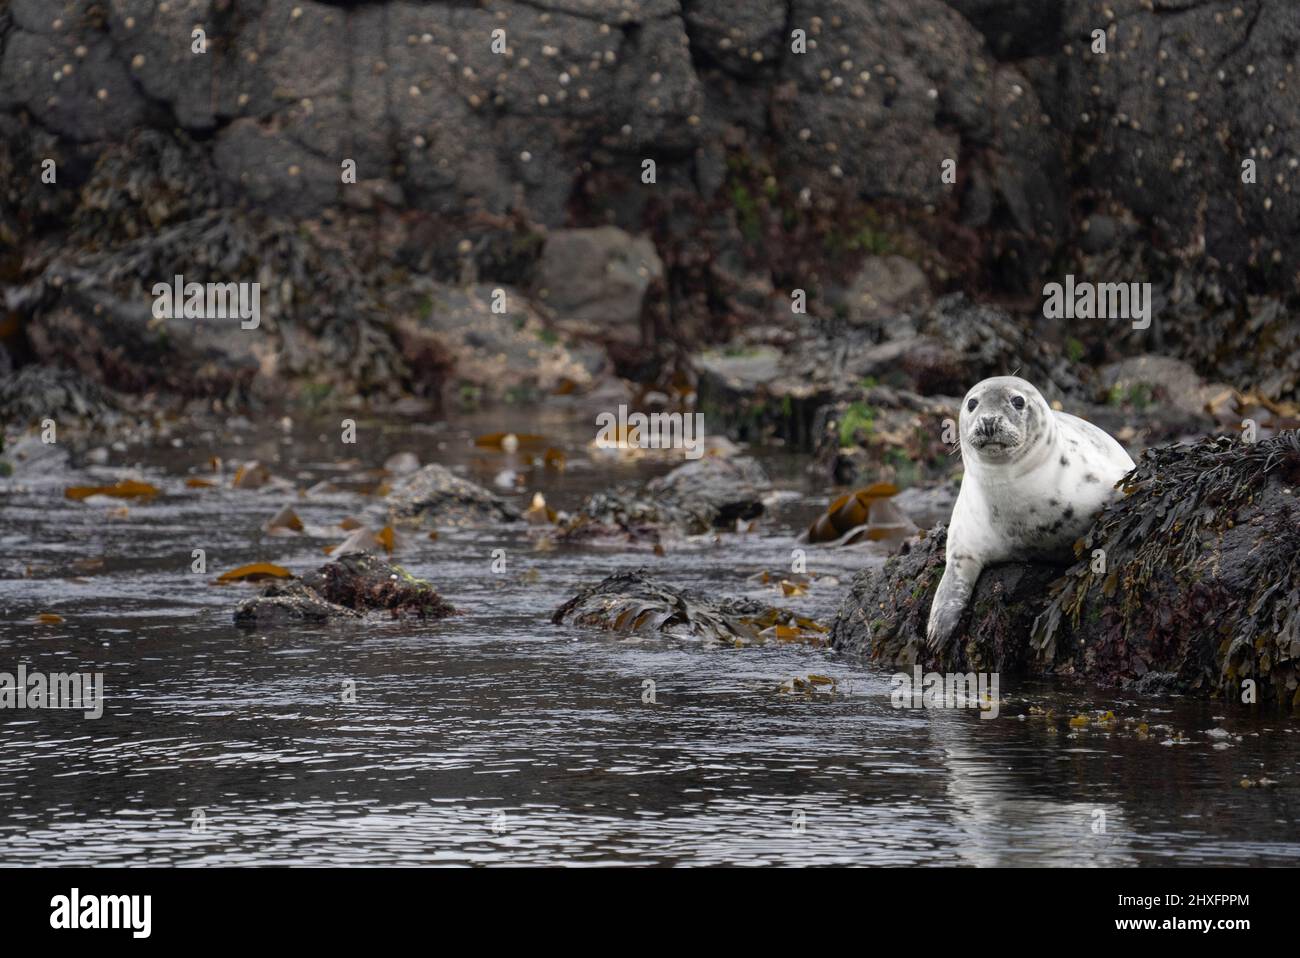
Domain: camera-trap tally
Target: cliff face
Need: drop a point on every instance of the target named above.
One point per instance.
(789, 140)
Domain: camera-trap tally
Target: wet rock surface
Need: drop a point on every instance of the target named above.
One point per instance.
(435, 496)
(637, 602)
(287, 603)
(344, 589)
(36, 393)
(885, 612)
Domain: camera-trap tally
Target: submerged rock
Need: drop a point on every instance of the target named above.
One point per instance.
(434, 496)
(693, 499)
(636, 602)
(344, 589)
(1190, 582)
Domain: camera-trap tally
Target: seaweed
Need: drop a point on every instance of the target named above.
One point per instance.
(1201, 571)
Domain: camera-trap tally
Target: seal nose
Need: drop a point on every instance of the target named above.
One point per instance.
(988, 425)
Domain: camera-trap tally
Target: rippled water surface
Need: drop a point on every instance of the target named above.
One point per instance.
(497, 737)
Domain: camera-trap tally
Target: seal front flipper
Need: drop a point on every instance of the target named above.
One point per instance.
(960, 573)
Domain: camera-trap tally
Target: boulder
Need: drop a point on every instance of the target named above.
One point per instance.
(883, 287)
(513, 355)
(283, 603)
(1164, 120)
(595, 280)
(35, 393)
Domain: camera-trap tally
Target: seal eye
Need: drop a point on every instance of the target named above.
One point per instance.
(1018, 402)
(972, 404)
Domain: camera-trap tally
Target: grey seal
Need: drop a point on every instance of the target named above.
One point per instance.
(1034, 480)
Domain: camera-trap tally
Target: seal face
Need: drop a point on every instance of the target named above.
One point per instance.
(1034, 481)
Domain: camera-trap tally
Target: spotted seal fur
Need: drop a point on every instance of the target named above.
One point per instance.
(1034, 480)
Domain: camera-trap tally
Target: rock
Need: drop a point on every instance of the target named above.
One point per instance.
(633, 602)
(1159, 121)
(763, 392)
(282, 603)
(1014, 29)
(35, 393)
(274, 171)
(402, 463)
(745, 40)
(364, 540)
(886, 610)
(1165, 380)
(1191, 575)
(719, 490)
(884, 287)
(87, 97)
(980, 340)
(1200, 576)
(434, 496)
(512, 356)
(884, 435)
(942, 353)
(595, 282)
(695, 498)
(29, 456)
(775, 170)
(364, 583)
(918, 87)
(927, 506)
(320, 319)
(344, 589)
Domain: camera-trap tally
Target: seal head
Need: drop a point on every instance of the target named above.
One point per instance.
(1002, 419)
